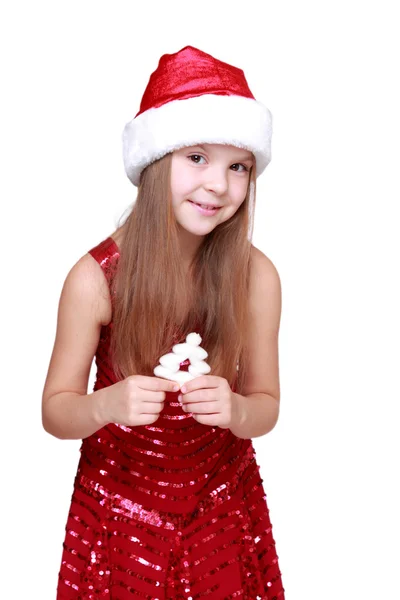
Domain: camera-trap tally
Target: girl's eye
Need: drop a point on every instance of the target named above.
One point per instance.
(241, 165)
(234, 165)
(195, 155)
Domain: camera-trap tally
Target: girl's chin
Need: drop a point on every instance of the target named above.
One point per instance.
(198, 230)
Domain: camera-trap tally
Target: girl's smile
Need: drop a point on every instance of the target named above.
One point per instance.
(207, 211)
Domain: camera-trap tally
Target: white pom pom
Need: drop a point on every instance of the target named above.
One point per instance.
(170, 363)
(194, 339)
(201, 368)
(180, 377)
(181, 349)
(195, 354)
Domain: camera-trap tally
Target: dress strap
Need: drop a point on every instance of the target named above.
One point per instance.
(106, 254)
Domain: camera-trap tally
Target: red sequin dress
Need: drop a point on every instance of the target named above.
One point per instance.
(174, 510)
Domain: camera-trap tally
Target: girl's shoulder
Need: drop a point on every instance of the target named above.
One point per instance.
(88, 272)
(260, 261)
(265, 304)
(97, 266)
(264, 277)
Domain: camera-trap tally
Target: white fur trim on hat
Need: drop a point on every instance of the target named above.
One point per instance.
(209, 118)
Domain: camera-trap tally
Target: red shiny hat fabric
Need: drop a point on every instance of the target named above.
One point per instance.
(190, 73)
(194, 98)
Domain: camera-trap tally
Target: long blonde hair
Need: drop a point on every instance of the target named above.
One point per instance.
(157, 304)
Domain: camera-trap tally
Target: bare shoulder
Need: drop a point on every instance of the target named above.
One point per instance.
(262, 373)
(88, 273)
(265, 285)
(259, 258)
(81, 312)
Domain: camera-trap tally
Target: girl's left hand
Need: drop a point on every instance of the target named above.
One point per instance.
(211, 401)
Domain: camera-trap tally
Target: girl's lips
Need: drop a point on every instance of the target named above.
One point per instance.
(205, 211)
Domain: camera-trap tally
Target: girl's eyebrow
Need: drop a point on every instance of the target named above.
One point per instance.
(246, 159)
(242, 158)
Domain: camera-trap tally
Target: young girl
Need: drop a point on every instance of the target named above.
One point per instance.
(168, 502)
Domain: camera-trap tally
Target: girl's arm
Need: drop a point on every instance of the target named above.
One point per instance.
(259, 404)
(71, 416)
(259, 414)
(68, 412)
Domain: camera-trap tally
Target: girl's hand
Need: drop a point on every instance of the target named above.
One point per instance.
(136, 400)
(211, 401)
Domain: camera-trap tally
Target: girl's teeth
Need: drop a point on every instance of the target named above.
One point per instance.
(206, 207)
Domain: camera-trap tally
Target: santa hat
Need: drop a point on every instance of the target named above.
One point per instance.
(193, 98)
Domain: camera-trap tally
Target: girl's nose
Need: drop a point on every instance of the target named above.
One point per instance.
(217, 182)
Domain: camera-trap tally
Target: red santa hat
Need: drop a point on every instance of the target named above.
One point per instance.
(193, 98)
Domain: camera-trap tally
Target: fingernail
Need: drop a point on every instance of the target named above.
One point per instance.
(176, 388)
(180, 397)
(183, 389)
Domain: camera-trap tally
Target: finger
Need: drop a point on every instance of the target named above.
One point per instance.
(157, 384)
(204, 381)
(146, 419)
(198, 396)
(148, 396)
(201, 408)
(212, 420)
(150, 408)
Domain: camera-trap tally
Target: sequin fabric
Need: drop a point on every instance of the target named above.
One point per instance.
(174, 510)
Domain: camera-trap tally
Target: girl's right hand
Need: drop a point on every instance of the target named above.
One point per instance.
(136, 400)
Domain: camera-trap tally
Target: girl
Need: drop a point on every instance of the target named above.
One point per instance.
(168, 502)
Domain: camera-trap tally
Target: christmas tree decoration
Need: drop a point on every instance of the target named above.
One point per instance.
(169, 367)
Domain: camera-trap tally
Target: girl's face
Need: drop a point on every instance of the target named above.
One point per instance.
(208, 174)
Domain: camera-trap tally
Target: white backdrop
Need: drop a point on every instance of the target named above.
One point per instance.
(73, 74)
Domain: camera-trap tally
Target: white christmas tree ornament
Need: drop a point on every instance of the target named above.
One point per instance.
(191, 349)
